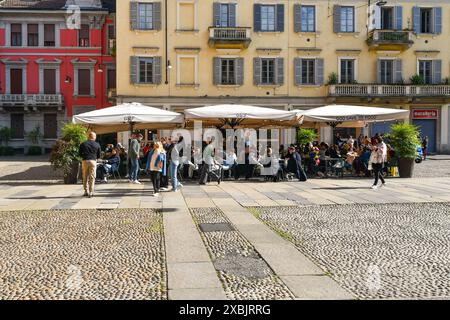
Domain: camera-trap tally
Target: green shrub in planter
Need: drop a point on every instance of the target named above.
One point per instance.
(7, 151)
(34, 151)
(305, 136)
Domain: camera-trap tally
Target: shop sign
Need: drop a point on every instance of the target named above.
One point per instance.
(425, 114)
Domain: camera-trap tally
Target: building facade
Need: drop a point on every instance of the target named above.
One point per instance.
(57, 58)
(290, 54)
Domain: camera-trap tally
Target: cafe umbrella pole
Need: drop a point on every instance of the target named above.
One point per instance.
(131, 124)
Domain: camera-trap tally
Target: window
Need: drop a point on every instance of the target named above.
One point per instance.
(17, 130)
(146, 70)
(426, 20)
(49, 81)
(84, 82)
(83, 36)
(387, 71)
(425, 71)
(33, 35)
(347, 19)
(50, 126)
(145, 16)
(228, 71)
(16, 34)
(267, 18)
(223, 15)
(387, 18)
(268, 71)
(111, 80)
(16, 81)
(308, 19)
(347, 71)
(308, 71)
(49, 35)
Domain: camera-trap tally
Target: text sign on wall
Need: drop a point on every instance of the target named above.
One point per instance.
(425, 114)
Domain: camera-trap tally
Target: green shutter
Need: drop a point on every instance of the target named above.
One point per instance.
(134, 70)
(437, 71)
(157, 15)
(257, 71)
(157, 70)
(336, 18)
(216, 14)
(298, 71)
(216, 71)
(279, 64)
(297, 18)
(398, 68)
(134, 15)
(319, 71)
(240, 71)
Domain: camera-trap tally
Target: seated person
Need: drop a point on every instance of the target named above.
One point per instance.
(230, 162)
(109, 165)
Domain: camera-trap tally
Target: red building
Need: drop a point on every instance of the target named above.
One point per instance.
(57, 58)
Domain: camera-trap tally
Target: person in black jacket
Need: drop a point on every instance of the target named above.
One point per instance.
(89, 151)
(294, 164)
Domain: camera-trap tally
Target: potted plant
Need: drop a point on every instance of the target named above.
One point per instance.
(65, 152)
(333, 78)
(5, 137)
(34, 136)
(417, 80)
(404, 139)
(305, 136)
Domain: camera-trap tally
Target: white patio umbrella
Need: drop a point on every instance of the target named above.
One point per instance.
(128, 116)
(354, 116)
(239, 116)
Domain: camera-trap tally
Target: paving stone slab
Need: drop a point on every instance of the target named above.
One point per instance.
(316, 288)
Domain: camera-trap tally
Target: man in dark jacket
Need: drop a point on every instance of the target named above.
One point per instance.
(89, 152)
(294, 164)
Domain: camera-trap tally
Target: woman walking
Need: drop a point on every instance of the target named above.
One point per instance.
(378, 158)
(156, 165)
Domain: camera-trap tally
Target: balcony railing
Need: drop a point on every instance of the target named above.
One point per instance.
(226, 37)
(31, 100)
(373, 90)
(384, 38)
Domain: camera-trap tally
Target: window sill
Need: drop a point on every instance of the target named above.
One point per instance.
(353, 34)
(308, 33)
(260, 33)
(146, 30)
(187, 30)
(145, 84)
(427, 35)
(229, 85)
(300, 86)
(262, 85)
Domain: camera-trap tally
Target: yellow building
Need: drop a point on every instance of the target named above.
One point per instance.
(289, 54)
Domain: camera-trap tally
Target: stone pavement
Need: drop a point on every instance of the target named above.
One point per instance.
(192, 258)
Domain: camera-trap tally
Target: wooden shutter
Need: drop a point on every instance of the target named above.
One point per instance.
(257, 71)
(17, 126)
(297, 18)
(84, 82)
(336, 18)
(279, 65)
(280, 17)
(216, 14)
(216, 71)
(111, 84)
(16, 77)
(379, 71)
(134, 70)
(49, 81)
(232, 15)
(83, 35)
(416, 19)
(33, 34)
(157, 15)
(157, 70)
(319, 71)
(50, 126)
(437, 71)
(16, 34)
(437, 14)
(134, 15)
(257, 17)
(398, 71)
(49, 35)
(239, 71)
(398, 13)
(298, 71)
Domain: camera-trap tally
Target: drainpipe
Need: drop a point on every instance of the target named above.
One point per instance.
(166, 40)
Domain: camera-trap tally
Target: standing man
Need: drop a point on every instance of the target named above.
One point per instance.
(89, 152)
(425, 147)
(208, 161)
(135, 148)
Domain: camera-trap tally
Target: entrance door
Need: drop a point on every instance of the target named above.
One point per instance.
(427, 127)
(16, 81)
(49, 81)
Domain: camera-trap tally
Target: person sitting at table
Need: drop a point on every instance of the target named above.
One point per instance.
(334, 152)
(230, 163)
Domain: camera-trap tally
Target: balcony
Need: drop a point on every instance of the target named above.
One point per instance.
(395, 90)
(390, 40)
(31, 100)
(229, 38)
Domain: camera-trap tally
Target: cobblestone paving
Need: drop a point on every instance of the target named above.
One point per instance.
(375, 251)
(82, 254)
(244, 274)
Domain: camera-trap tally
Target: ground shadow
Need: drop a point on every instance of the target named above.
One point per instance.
(38, 173)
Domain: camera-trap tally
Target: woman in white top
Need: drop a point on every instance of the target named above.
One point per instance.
(378, 158)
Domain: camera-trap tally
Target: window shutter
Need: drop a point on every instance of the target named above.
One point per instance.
(134, 15)
(157, 15)
(134, 70)
(84, 82)
(416, 19)
(257, 71)
(379, 71)
(216, 14)
(50, 125)
(297, 18)
(157, 70)
(240, 71)
(279, 62)
(319, 71)
(280, 17)
(337, 18)
(257, 17)
(216, 71)
(437, 13)
(398, 17)
(232, 15)
(49, 32)
(398, 74)
(298, 71)
(437, 71)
